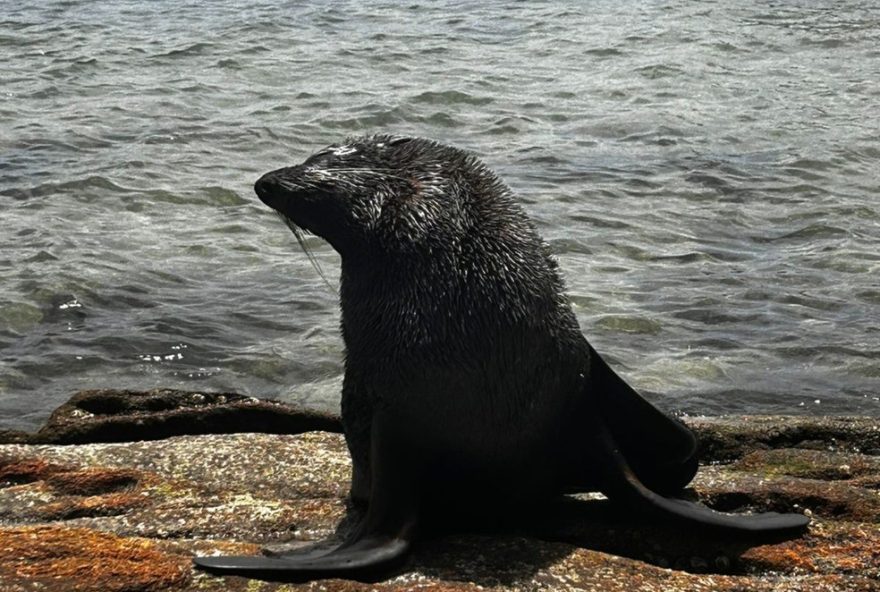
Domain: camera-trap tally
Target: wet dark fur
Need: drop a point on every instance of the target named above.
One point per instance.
(467, 378)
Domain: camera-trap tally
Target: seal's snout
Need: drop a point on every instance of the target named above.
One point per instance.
(267, 188)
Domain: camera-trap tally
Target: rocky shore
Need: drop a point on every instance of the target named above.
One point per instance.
(120, 489)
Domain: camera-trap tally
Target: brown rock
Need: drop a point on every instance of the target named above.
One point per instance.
(814, 464)
(110, 415)
(724, 439)
(130, 515)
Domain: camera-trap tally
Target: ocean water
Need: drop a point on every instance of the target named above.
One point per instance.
(707, 173)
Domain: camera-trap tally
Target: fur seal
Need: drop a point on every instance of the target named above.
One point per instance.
(467, 377)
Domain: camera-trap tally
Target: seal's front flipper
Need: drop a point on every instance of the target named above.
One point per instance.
(358, 560)
(622, 485)
(661, 450)
(381, 539)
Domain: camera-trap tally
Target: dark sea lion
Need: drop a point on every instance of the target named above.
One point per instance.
(467, 378)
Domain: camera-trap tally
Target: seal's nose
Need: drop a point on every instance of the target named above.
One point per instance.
(266, 188)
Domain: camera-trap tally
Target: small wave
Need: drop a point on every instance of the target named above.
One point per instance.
(201, 88)
(679, 370)
(805, 174)
(728, 255)
(663, 136)
(47, 92)
(726, 47)
(656, 71)
(74, 68)
(718, 344)
(200, 48)
(163, 139)
(435, 50)
(567, 245)
(709, 316)
(810, 164)
(788, 190)
(384, 118)
(441, 120)
(598, 222)
(450, 97)
(604, 51)
(508, 125)
(629, 324)
(692, 257)
(74, 187)
(221, 196)
(810, 232)
(832, 43)
(547, 161)
(40, 257)
(229, 64)
(85, 141)
(252, 49)
(810, 301)
(15, 41)
(44, 144)
(841, 263)
(708, 180)
(869, 296)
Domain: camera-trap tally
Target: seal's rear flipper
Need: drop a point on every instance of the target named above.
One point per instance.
(623, 485)
(358, 560)
(660, 449)
(766, 522)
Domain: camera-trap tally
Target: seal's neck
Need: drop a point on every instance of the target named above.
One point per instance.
(396, 307)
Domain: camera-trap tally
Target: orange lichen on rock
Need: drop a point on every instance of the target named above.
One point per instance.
(15, 470)
(831, 549)
(93, 481)
(83, 560)
(782, 558)
(111, 504)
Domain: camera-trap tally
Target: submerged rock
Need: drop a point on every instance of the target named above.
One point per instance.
(110, 415)
(129, 516)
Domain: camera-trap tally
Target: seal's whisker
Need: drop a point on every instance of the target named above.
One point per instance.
(300, 233)
(288, 185)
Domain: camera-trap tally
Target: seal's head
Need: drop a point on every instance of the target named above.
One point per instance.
(434, 246)
(391, 193)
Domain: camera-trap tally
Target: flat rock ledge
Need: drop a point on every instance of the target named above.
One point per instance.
(120, 489)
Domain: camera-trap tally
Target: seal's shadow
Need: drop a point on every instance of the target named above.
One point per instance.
(512, 545)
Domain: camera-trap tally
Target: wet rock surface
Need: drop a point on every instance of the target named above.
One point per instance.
(110, 415)
(129, 515)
